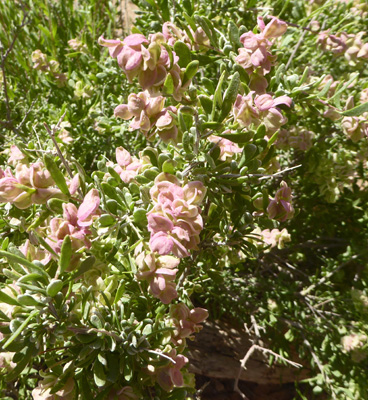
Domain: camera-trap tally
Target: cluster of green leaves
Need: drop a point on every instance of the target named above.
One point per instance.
(300, 295)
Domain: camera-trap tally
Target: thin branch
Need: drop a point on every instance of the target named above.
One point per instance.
(292, 55)
(328, 276)
(162, 355)
(27, 113)
(246, 358)
(321, 368)
(276, 174)
(4, 56)
(17, 30)
(60, 154)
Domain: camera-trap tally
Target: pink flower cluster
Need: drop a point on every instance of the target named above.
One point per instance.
(160, 272)
(355, 128)
(349, 45)
(227, 147)
(43, 390)
(30, 185)
(125, 393)
(260, 109)
(170, 375)
(255, 57)
(128, 167)
(34, 253)
(148, 60)
(175, 221)
(75, 223)
(172, 34)
(274, 237)
(42, 63)
(299, 140)
(149, 113)
(280, 208)
(186, 321)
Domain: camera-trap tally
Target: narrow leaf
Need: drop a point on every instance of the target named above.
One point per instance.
(356, 111)
(20, 329)
(65, 254)
(56, 174)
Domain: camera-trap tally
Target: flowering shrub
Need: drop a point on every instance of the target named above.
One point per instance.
(194, 168)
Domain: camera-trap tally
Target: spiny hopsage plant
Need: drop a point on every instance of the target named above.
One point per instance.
(97, 284)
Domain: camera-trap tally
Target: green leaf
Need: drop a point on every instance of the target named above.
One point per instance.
(56, 174)
(187, 142)
(217, 97)
(269, 155)
(152, 154)
(112, 367)
(43, 242)
(325, 89)
(206, 25)
(27, 300)
(242, 137)
(84, 387)
(356, 111)
(54, 287)
(56, 205)
(168, 85)
(190, 70)
(99, 374)
(206, 103)
(230, 96)
(140, 216)
(233, 32)
(4, 298)
(28, 353)
(183, 52)
(65, 254)
(178, 394)
(244, 77)
(106, 220)
(23, 261)
(20, 329)
(261, 132)
(190, 21)
(164, 6)
(171, 56)
(38, 221)
(181, 120)
(169, 166)
(111, 192)
(249, 152)
(85, 266)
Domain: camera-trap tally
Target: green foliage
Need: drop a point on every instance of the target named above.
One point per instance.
(74, 312)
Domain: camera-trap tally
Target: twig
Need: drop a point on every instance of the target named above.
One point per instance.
(60, 154)
(328, 276)
(4, 56)
(251, 350)
(162, 355)
(321, 368)
(27, 113)
(292, 55)
(89, 330)
(277, 173)
(255, 326)
(201, 389)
